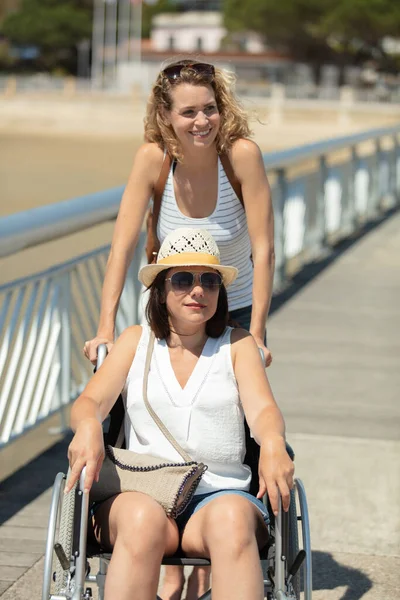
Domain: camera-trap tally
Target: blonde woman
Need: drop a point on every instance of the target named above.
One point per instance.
(204, 378)
(194, 118)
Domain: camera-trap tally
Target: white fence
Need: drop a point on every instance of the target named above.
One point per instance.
(42, 83)
(45, 318)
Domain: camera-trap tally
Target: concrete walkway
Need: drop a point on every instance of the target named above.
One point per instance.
(336, 375)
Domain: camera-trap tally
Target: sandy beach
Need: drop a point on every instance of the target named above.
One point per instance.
(37, 170)
(46, 166)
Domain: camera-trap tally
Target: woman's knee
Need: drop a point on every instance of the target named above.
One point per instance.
(139, 522)
(230, 523)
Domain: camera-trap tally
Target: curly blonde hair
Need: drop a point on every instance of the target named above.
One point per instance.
(234, 120)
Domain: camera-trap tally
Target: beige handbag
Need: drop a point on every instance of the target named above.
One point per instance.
(171, 484)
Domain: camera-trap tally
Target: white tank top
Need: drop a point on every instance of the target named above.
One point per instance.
(205, 417)
(228, 226)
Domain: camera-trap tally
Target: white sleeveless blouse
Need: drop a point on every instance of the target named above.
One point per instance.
(205, 417)
(228, 226)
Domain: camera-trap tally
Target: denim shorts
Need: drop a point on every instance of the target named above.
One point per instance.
(201, 500)
(241, 317)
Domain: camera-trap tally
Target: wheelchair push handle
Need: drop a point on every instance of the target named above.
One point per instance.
(101, 355)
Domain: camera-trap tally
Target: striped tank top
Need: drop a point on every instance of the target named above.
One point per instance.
(228, 226)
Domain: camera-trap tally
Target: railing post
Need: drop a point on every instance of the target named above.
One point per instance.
(346, 105)
(69, 89)
(64, 383)
(351, 221)
(11, 87)
(320, 241)
(395, 171)
(277, 101)
(374, 190)
(279, 215)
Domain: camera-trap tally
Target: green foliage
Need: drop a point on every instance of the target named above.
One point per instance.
(366, 20)
(54, 26)
(150, 10)
(317, 29)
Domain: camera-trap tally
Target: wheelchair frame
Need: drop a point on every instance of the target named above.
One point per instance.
(280, 561)
(281, 580)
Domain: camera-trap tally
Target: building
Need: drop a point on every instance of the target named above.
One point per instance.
(192, 31)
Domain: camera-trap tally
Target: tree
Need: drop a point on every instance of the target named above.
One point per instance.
(358, 27)
(288, 25)
(318, 30)
(54, 27)
(150, 9)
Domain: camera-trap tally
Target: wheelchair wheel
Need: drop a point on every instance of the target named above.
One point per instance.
(293, 547)
(65, 539)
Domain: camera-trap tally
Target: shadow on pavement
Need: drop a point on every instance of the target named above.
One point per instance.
(328, 574)
(33, 479)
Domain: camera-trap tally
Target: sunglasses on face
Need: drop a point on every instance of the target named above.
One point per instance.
(204, 69)
(184, 281)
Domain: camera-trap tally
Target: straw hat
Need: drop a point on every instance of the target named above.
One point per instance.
(187, 247)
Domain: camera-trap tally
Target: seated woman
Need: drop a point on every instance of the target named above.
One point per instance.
(204, 377)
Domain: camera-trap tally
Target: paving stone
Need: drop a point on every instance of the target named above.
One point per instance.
(11, 573)
(8, 532)
(19, 559)
(21, 545)
(335, 375)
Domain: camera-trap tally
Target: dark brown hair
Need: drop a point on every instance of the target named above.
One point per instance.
(157, 314)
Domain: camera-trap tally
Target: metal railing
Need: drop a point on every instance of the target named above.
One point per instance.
(11, 85)
(45, 318)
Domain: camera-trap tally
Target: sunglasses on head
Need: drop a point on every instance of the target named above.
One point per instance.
(204, 69)
(184, 281)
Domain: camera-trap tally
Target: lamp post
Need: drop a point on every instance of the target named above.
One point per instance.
(135, 39)
(110, 51)
(98, 44)
(83, 48)
(116, 39)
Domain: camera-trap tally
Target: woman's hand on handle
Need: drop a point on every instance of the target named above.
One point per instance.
(263, 348)
(276, 471)
(90, 347)
(86, 449)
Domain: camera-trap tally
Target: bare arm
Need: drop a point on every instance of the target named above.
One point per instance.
(264, 419)
(135, 200)
(249, 168)
(94, 404)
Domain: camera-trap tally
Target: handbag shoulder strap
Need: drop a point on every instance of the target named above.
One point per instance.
(233, 180)
(159, 190)
(154, 416)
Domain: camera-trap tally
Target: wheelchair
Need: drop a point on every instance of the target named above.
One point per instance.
(67, 571)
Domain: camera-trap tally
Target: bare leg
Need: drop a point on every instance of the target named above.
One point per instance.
(229, 529)
(137, 529)
(173, 583)
(198, 582)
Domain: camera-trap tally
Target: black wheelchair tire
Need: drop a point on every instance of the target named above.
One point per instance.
(293, 545)
(65, 538)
